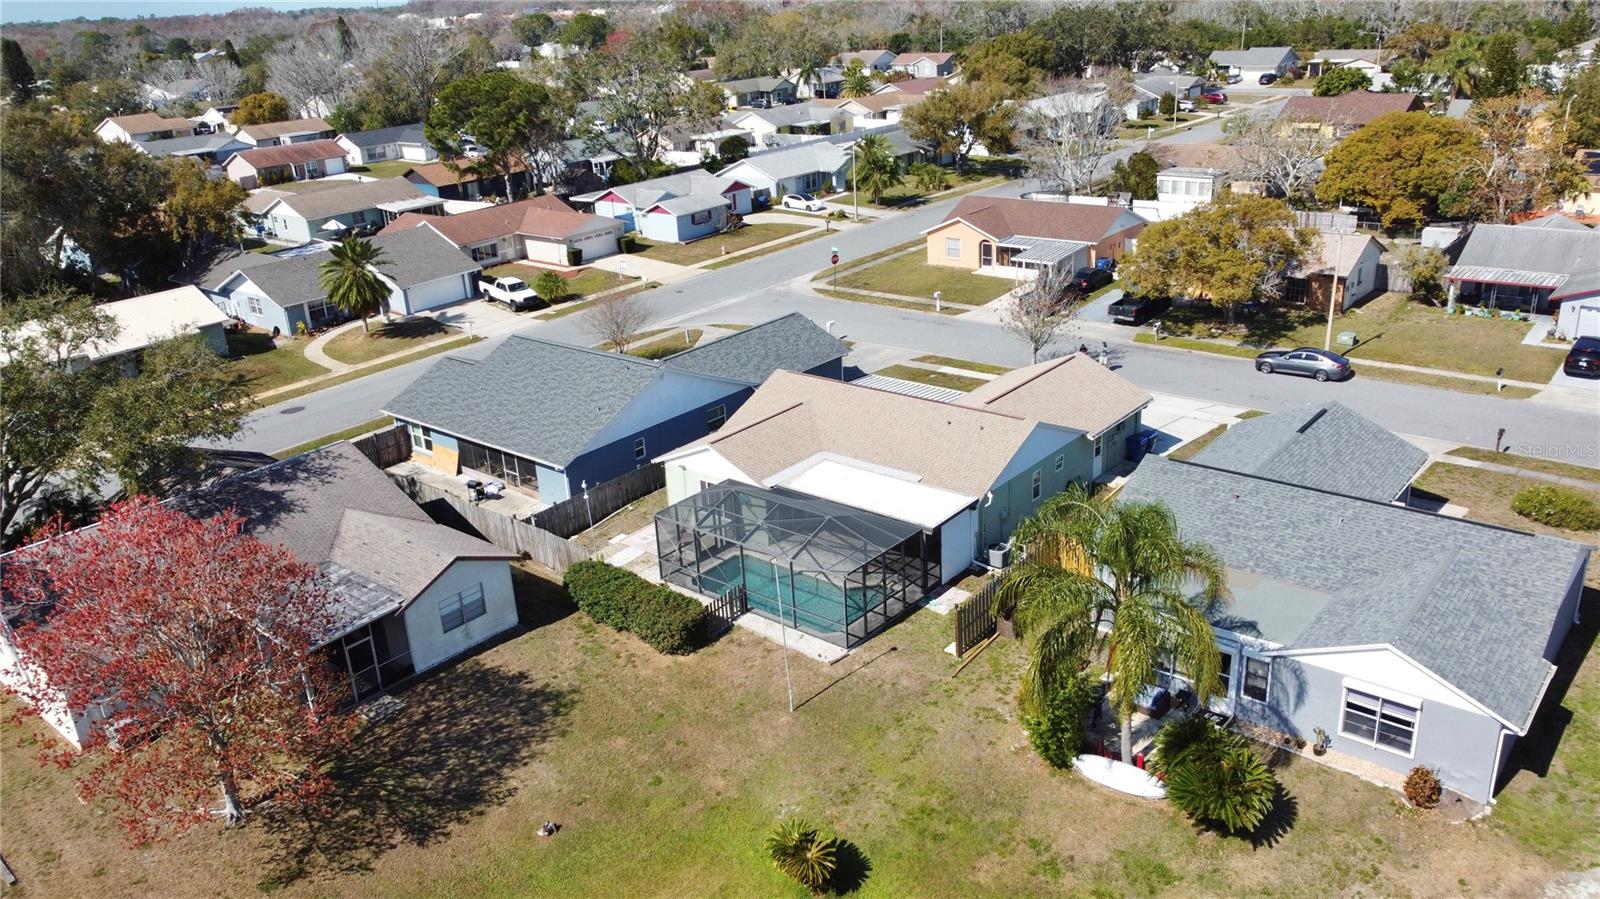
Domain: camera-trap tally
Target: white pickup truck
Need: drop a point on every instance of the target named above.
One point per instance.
(514, 292)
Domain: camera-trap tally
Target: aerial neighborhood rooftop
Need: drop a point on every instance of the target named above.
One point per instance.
(893, 449)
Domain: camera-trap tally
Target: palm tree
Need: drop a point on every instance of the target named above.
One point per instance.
(857, 83)
(804, 855)
(350, 278)
(1091, 565)
(876, 170)
(810, 72)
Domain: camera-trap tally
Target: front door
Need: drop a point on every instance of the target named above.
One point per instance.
(985, 253)
(1223, 700)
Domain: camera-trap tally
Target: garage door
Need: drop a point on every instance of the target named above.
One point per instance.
(1587, 318)
(432, 294)
(596, 245)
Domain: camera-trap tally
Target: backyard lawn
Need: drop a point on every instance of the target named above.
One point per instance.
(665, 774)
(715, 245)
(262, 364)
(355, 345)
(911, 275)
(389, 168)
(1391, 328)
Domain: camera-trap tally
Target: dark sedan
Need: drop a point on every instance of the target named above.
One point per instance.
(1087, 279)
(1308, 361)
(1583, 360)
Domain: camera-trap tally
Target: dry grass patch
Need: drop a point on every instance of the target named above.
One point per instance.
(357, 345)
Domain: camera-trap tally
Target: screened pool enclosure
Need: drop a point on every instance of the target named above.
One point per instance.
(837, 573)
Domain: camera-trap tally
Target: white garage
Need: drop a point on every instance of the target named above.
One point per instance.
(432, 294)
(1579, 318)
(424, 270)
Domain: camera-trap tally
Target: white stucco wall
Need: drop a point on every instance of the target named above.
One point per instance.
(430, 645)
(958, 544)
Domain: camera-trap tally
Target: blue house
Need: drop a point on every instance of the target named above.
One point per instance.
(547, 418)
(677, 208)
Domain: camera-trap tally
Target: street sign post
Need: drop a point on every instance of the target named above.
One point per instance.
(834, 262)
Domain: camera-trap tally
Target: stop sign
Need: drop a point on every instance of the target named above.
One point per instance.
(835, 258)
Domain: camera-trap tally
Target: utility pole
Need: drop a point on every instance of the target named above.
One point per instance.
(783, 630)
(855, 192)
(1334, 294)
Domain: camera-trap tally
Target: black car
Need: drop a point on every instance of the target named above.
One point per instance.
(1583, 360)
(1320, 364)
(1132, 310)
(1267, 78)
(1087, 279)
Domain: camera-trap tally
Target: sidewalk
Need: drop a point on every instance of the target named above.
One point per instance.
(338, 370)
(316, 353)
(1496, 467)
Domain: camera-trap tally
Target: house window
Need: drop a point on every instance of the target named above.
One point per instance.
(1038, 485)
(1225, 673)
(461, 608)
(1257, 676)
(1061, 462)
(952, 248)
(421, 438)
(320, 310)
(700, 218)
(638, 448)
(1378, 722)
(715, 416)
(486, 252)
(255, 305)
(1098, 443)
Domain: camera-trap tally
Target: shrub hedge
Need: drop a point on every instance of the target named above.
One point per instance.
(1558, 507)
(669, 621)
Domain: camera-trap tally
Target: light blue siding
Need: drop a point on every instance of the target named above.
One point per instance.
(553, 487)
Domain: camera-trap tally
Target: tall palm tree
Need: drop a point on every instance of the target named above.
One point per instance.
(1112, 580)
(350, 278)
(810, 72)
(876, 170)
(857, 83)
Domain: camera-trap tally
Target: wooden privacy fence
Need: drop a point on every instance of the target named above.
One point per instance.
(590, 507)
(541, 546)
(722, 611)
(390, 446)
(975, 620)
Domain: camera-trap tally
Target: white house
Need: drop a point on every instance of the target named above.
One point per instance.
(800, 118)
(1250, 65)
(292, 131)
(1179, 190)
(677, 208)
(1370, 61)
(142, 127)
(800, 169)
(924, 65)
(400, 142)
(871, 60)
(331, 208)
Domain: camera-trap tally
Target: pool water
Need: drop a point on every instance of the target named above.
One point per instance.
(809, 603)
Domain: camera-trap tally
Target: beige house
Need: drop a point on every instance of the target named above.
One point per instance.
(1026, 236)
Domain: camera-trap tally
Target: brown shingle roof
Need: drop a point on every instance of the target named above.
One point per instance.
(1354, 109)
(145, 122)
(439, 175)
(291, 154)
(905, 59)
(793, 417)
(277, 129)
(916, 87)
(545, 217)
(1003, 217)
(1073, 391)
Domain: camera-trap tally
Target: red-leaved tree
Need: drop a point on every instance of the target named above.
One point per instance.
(199, 644)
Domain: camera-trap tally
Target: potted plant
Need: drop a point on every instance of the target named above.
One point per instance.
(1320, 746)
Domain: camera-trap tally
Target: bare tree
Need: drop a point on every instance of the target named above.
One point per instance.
(1071, 132)
(1286, 157)
(414, 62)
(224, 80)
(1038, 310)
(314, 73)
(639, 98)
(616, 320)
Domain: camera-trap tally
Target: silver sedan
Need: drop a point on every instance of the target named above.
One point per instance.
(1320, 364)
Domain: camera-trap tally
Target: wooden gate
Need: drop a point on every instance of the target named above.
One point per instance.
(724, 610)
(975, 620)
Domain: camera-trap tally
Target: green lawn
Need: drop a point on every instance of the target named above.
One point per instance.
(356, 346)
(847, 263)
(906, 193)
(911, 275)
(912, 305)
(389, 168)
(929, 376)
(262, 365)
(666, 774)
(390, 362)
(679, 341)
(1391, 328)
(1192, 448)
(715, 245)
(968, 364)
(346, 434)
(775, 248)
(1532, 463)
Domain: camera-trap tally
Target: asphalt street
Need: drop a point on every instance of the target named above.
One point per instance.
(772, 285)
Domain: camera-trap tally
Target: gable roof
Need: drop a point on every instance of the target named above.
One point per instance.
(1353, 109)
(1329, 252)
(644, 194)
(788, 116)
(289, 154)
(1255, 57)
(1073, 391)
(544, 217)
(1326, 446)
(1157, 83)
(1566, 260)
(338, 197)
(914, 86)
(803, 159)
(279, 129)
(420, 255)
(1001, 217)
(906, 59)
(558, 397)
(791, 342)
(410, 258)
(439, 175)
(333, 508)
(1474, 604)
(794, 417)
(286, 280)
(211, 271)
(147, 319)
(760, 84)
(147, 122)
(1556, 221)
(399, 134)
(188, 144)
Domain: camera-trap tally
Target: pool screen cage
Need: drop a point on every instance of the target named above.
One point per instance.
(835, 572)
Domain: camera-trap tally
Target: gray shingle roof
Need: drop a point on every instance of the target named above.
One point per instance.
(288, 281)
(350, 196)
(536, 398)
(334, 509)
(1255, 57)
(211, 272)
(818, 156)
(191, 143)
(419, 255)
(792, 342)
(1519, 252)
(399, 134)
(1474, 604)
(1322, 445)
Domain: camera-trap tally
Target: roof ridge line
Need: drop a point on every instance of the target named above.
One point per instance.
(623, 357)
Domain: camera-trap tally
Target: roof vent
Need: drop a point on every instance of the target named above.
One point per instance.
(1311, 421)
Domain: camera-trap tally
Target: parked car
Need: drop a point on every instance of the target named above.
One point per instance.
(514, 292)
(1187, 106)
(1212, 95)
(802, 201)
(761, 103)
(1088, 279)
(1320, 364)
(1235, 78)
(1266, 78)
(1583, 360)
(1133, 310)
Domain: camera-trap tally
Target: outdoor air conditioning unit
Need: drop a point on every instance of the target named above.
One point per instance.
(999, 555)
